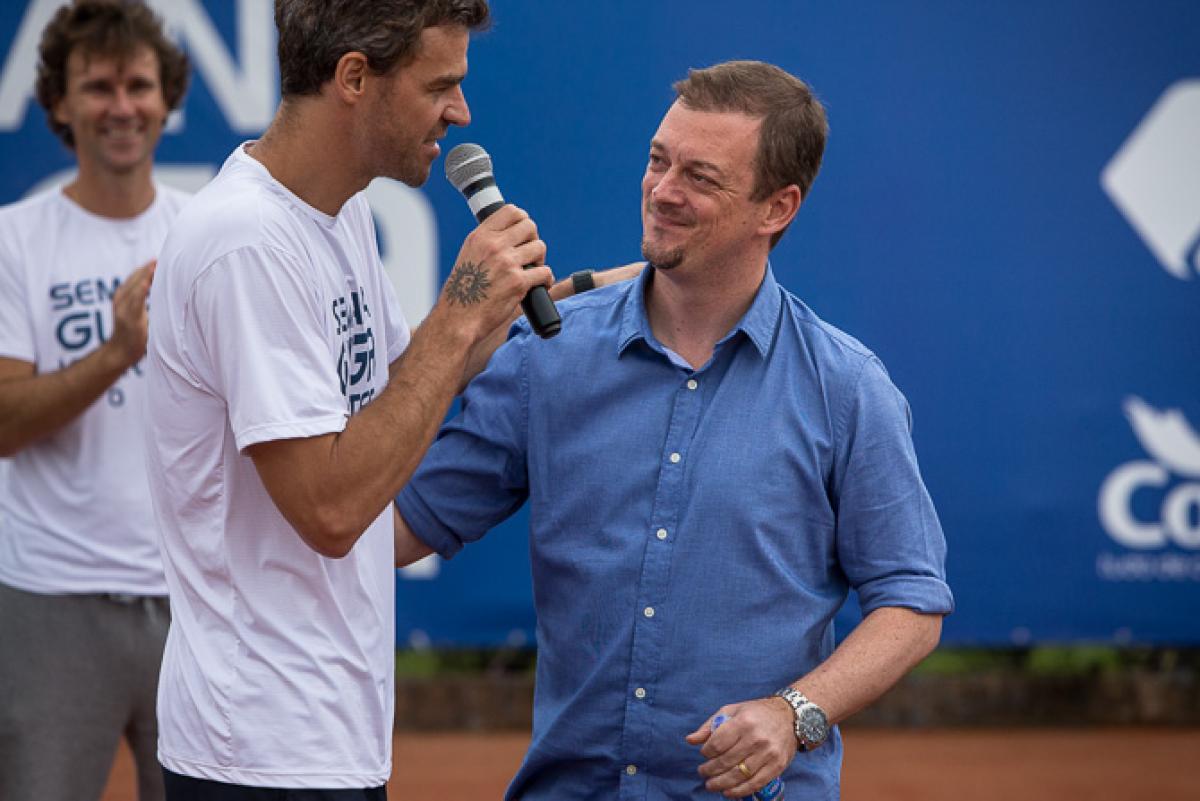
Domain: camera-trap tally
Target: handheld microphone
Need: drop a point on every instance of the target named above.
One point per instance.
(469, 169)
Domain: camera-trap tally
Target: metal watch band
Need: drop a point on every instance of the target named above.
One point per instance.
(802, 709)
(582, 281)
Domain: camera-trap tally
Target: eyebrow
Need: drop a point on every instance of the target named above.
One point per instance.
(694, 163)
(447, 80)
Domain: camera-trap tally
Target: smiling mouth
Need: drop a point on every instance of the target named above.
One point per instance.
(663, 220)
(122, 133)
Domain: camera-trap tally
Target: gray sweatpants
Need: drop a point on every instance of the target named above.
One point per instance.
(76, 673)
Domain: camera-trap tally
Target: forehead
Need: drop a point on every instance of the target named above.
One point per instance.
(83, 63)
(441, 50)
(725, 138)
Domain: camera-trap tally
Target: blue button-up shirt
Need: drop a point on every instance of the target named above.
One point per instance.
(693, 532)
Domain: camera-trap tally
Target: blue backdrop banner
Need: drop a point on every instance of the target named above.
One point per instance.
(1009, 215)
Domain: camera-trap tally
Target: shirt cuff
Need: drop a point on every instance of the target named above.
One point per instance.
(926, 594)
(424, 526)
(300, 429)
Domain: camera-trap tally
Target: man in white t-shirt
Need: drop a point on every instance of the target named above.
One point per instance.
(282, 418)
(83, 610)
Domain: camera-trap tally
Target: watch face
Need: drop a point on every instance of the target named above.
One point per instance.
(812, 725)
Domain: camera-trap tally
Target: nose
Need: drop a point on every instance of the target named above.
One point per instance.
(458, 112)
(122, 103)
(664, 188)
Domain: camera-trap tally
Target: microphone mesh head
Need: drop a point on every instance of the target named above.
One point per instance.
(466, 164)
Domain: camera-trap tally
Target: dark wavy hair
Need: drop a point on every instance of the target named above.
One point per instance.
(315, 34)
(107, 28)
(791, 142)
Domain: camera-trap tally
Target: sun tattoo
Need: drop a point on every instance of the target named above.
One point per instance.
(468, 284)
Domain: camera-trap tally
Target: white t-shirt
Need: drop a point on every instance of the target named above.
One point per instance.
(270, 320)
(76, 514)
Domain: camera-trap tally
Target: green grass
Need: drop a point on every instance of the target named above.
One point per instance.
(1059, 660)
(429, 662)
(1046, 660)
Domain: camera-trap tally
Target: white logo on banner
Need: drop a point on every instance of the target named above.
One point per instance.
(1173, 474)
(1154, 179)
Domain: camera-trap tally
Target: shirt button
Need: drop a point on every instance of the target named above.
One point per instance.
(648, 611)
(661, 533)
(691, 384)
(640, 692)
(631, 770)
(675, 457)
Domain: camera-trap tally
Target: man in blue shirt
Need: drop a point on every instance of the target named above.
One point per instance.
(710, 468)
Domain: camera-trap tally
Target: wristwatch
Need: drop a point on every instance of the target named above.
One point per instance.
(582, 281)
(810, 724)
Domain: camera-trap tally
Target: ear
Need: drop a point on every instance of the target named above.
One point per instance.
(350, 77)
(56, 111)
(779, 209)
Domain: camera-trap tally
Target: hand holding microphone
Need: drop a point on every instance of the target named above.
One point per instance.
(469, 169)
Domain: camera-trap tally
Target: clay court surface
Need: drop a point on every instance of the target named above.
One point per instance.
(881, 765)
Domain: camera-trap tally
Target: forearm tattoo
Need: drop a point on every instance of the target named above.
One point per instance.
(468, 284)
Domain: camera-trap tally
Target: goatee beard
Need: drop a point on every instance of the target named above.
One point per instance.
(662, 260)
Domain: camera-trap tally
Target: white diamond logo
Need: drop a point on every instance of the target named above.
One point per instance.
(1154, 179)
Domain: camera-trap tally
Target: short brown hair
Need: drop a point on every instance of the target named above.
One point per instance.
(792, 138)
(113, 28)
(315, 34)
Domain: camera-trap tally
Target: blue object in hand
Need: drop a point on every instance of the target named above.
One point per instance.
(773, 790)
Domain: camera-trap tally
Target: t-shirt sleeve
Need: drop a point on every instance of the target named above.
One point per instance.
(256, 336)
(16, 329)
(475, 475)
(889, 540)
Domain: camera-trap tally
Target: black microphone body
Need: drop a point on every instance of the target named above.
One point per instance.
(484, 198)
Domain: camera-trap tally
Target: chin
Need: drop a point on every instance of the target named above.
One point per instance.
(416, 181)
(414, 175)
(662, 258)
(123, 166)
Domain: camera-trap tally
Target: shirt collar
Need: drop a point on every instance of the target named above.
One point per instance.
(759, 323)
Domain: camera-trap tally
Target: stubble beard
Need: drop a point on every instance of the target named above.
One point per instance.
(416, 169)
(405, 162)
(412, 173)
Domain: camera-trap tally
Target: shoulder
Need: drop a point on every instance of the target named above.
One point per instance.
(236, 211)
(596, 306)
(46, 203)
(588, 320)
(231, 206)
(25, 225)
(830, 349)
(831, 340)
(849, 373)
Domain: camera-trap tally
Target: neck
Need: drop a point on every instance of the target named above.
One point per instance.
(310, 153)
(690, 313)
(108, 194)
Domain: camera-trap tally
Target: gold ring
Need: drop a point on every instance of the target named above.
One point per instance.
(745, 770)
